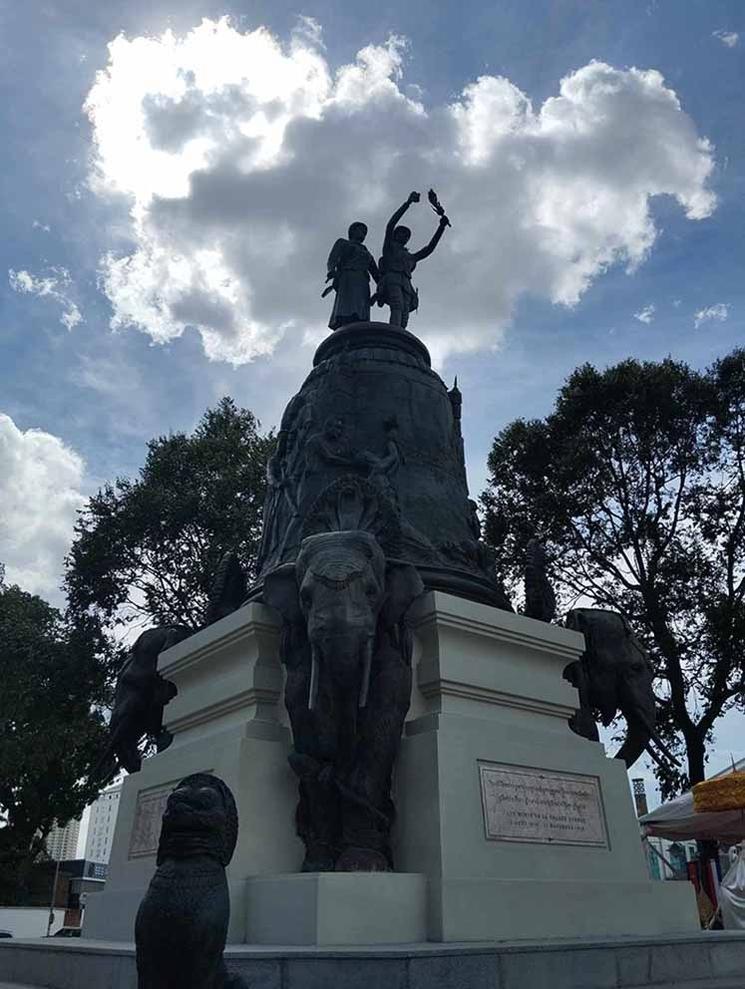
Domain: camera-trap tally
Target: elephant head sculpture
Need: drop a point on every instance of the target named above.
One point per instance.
(347, 652)
(613, 675)
(344, 591)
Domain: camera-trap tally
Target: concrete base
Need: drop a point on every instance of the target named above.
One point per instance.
(337, 908)
(226, 719)
(490, 909)
(714, 960)
(488, 692)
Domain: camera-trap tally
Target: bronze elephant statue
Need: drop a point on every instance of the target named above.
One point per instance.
(613, 675)
(347, 652)
(140, 696)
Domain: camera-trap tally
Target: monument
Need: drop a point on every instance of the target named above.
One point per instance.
(396, 737)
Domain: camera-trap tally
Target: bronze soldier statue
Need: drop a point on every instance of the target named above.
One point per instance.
(398, 263)
(350, 266)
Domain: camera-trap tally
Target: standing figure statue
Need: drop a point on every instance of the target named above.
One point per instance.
(398, 263)
(350, 266)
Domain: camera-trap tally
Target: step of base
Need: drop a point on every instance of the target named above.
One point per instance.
(698, 984)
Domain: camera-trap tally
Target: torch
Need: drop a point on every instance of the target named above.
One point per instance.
(434, 202)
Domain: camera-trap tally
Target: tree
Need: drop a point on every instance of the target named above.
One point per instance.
(636, 483)
(147, 549)
(55, 671)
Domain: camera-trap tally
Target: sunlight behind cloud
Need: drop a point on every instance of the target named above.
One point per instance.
(243, 158)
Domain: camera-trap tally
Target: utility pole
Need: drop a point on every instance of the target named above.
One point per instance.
(54, 896)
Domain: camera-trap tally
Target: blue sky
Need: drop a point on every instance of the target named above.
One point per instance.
(593, 219)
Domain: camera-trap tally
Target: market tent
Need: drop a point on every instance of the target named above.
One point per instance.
(679, 821)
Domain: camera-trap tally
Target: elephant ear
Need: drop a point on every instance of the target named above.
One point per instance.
(402, 585)
(281, 592)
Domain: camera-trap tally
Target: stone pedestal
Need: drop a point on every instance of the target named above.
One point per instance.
(519, 828)
(522, 828)
(226, 719)
(337, 908)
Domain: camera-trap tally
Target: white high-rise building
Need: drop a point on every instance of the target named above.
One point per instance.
(62, 843)
(101, 825)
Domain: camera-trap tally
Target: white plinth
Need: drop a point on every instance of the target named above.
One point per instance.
(488, 691)
(227, 719)
(337, 908)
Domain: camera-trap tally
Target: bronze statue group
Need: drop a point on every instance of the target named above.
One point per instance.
(351, 266)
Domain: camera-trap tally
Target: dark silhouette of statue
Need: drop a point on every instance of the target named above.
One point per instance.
(142, 693)
(540, 600)
(350, 266)
(182, 922)
(614, 675)
(228, 590)
(140, 696)
(398, 263)
(346, 646)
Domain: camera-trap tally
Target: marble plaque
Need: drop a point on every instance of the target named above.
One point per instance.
(541, 806)
(148, 816)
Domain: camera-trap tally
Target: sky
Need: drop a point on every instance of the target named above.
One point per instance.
(174, 175)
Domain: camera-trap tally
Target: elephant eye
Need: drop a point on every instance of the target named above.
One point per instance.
(371, 591)
(305, 598)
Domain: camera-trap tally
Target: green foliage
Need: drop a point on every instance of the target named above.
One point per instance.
(147, 549)
(55, 672)
(636, 484)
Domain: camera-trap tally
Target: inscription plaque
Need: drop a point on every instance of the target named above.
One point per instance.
(538, 805)
(151, 805)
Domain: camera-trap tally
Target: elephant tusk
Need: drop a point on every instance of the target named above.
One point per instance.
(366, 667)
(313, 689)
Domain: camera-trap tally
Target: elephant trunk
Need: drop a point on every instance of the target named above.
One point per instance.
(346, 661)
(635, 743)
(638, 709)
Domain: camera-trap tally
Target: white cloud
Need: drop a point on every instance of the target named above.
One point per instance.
(728, 38)
(646, 315)
(244, 158)
(56, 285)
(40, 492)
(716, 313)
(310, 30)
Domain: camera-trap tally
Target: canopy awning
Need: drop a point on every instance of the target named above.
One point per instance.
(679, 821)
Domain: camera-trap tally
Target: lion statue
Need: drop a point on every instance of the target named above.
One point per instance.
(182, 922)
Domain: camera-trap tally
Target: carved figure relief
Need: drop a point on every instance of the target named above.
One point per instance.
(382, 470)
